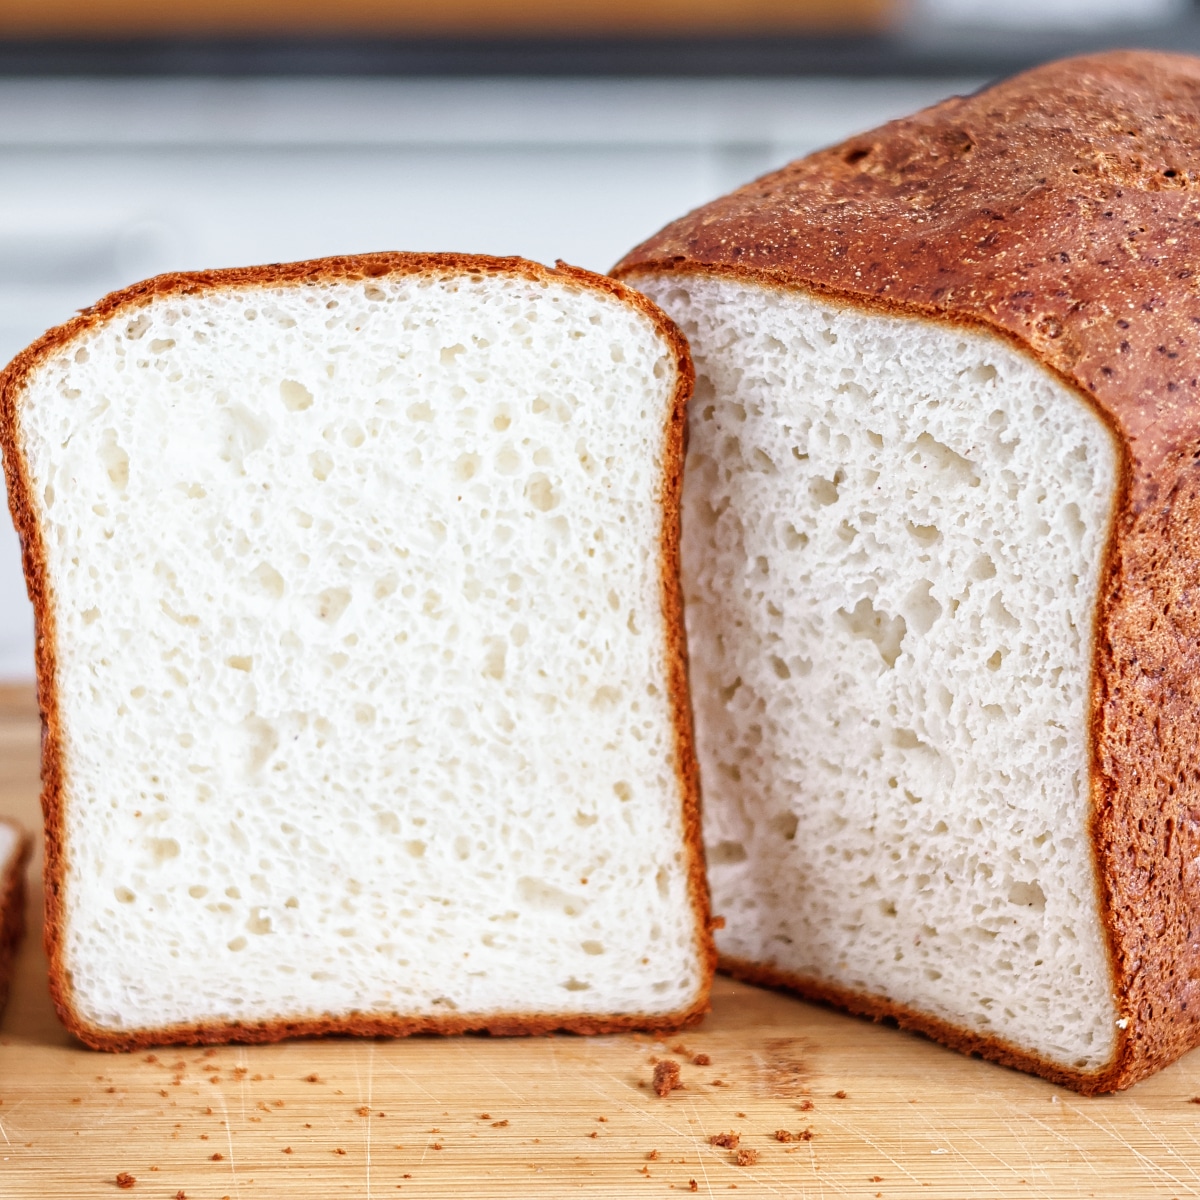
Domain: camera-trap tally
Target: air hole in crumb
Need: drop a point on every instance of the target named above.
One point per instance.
(592, 947)
(574, 985)
(1028, 895)
(727, 853)
(331, 604)
(541, 494)
(124, 895)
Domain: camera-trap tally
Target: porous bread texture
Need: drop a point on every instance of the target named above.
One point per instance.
(893, 537)
(363, 672)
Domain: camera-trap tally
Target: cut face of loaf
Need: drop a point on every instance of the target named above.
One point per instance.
(358, 614)
(893, 537)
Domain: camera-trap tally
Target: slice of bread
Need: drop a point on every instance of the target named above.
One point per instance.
(361, 655)
(15, 848)
(941, 561)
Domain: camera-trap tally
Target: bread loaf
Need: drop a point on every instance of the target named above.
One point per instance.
(360, 653)
(942, 560)
(15, 847)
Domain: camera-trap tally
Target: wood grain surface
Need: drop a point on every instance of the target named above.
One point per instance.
(124, 18)
(890, 1115)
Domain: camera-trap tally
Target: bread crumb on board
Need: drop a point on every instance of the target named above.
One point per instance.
(125, 1180)
(666, 1077)
(701, 1060)
(746, 1158)
(728, 1141)
(784, 1135)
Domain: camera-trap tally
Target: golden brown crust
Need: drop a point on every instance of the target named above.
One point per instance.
(12, 907)
(319, 271)
(1059, 210)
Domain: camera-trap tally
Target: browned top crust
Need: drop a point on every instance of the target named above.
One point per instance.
(54, 769)
(1059, 209)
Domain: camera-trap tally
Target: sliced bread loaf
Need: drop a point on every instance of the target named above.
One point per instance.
(941, 561)
(15, 848)
(360, 653)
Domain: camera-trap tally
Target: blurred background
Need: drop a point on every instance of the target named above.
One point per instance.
(139, 137)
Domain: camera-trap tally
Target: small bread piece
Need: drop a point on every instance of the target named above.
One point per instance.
(361, 653)
(15, 848)
(941, 561)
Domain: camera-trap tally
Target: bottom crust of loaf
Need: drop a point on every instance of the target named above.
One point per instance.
(380, 1025)
(1112, 1078)
(12, 913)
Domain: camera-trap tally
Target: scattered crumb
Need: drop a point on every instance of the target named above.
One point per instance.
(652, 1155)
(644, 1171)
(666, 1077)
(1193, 1100)
(436, 1146)
(181, 1195)
(782, 1135)
(693, 1186)
(216, 1157)
(742, 1115)
(339, 1150)
(805, 1135)
(209, 1053)
(499, 1124)
(363, 1110)
(485, 1116)
(839, 1095)
(204, 1137)
(604, 1120)
(407, 1176)
(680, 1048)
(701, 1060)
(151, 1058)
(728, 1141)
(594, 1134)
(125, 1180)
(875, 1179)
(287, 1149)
(719, 1083)
(312, 1079)
(110, 1089)
(746, 1158)
(806, 1105)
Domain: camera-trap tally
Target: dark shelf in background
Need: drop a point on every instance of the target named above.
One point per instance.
(911, 53)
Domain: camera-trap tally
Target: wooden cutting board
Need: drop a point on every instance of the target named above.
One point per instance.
(890, 1114)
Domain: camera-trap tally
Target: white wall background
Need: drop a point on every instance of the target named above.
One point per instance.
(103, 183)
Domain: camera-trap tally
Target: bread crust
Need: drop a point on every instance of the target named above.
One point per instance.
(1059, 210)
(12, 907)
(54, 772)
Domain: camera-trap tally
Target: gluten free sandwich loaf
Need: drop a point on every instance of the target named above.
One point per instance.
(360, 653)
(942, 566)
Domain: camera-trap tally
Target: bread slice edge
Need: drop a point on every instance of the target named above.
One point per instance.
(54, 768)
